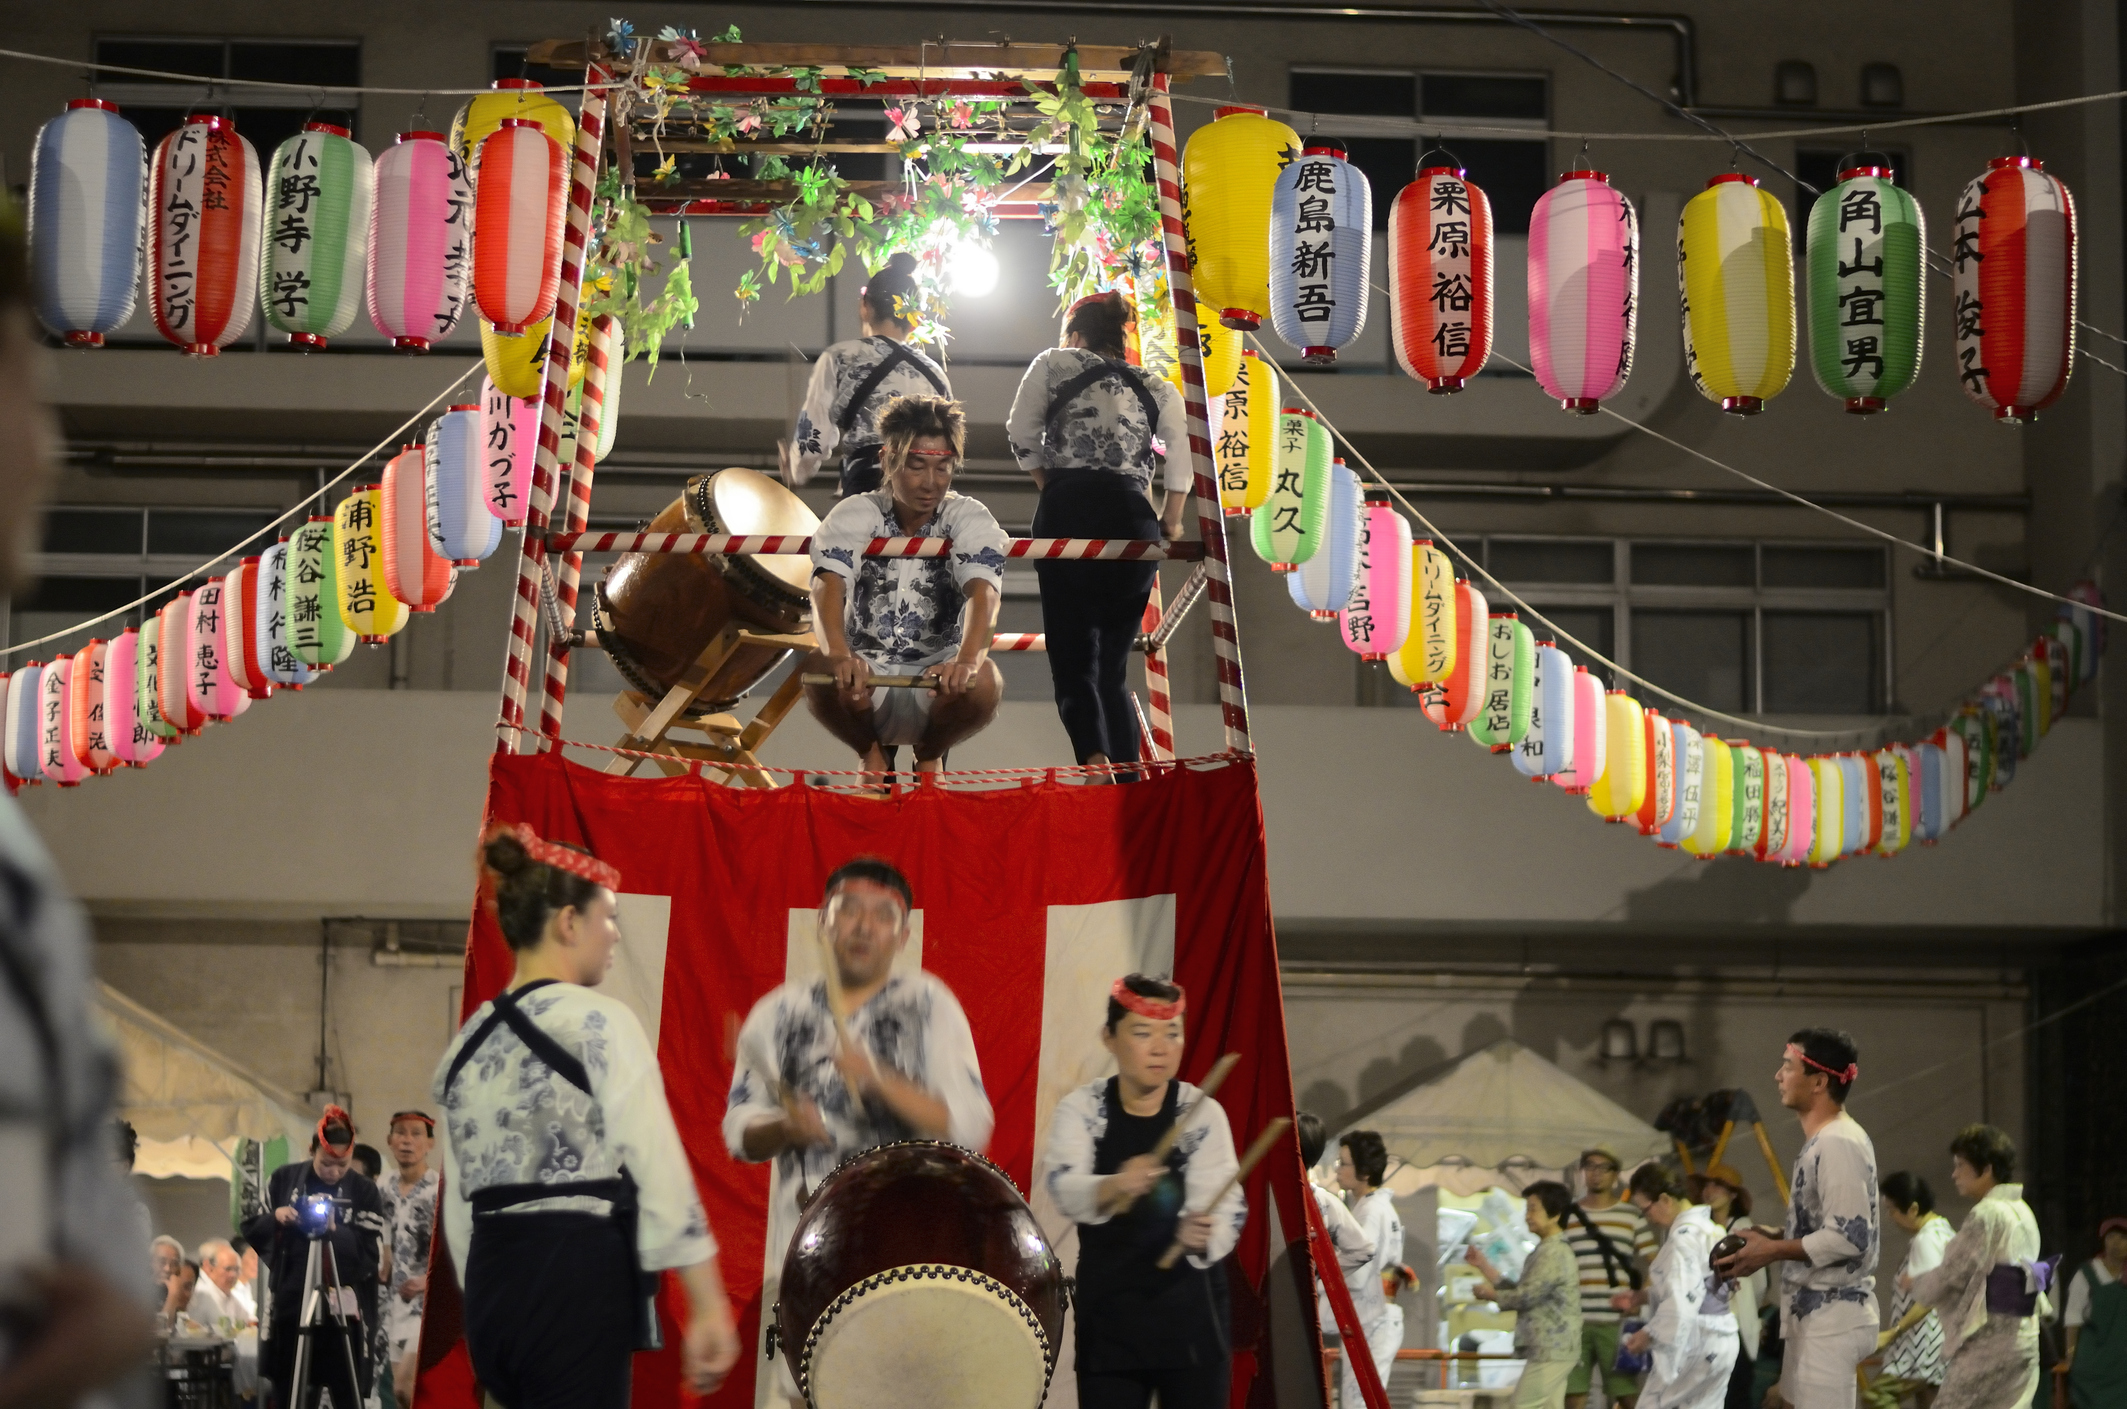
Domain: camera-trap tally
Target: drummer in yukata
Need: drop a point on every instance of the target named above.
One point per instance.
(908, 617)
(806, 1098)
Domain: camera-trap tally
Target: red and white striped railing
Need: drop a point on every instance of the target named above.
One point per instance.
(1019, 641)
(745, 544)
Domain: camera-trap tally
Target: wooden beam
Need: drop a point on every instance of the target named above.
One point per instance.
(774, 193)
(1111, 62)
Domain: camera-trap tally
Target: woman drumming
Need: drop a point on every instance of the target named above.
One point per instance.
(564, 1183)
(1141, 1330)
(1689, 1325)
(1988, 1287)
(1090, 430)
(853, 380)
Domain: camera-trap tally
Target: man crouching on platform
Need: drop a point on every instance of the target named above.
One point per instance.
(908, 616)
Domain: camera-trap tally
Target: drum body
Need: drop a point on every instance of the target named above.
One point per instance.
(918, 1279)
(657, 612)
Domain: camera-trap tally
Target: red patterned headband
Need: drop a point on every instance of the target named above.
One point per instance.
(336, 1115)
(1853, 1069)
(1129, 315)
(1145, 1007)
(565, 858)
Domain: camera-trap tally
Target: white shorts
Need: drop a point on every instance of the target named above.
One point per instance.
(402, 1326)
(1817, 1370)
(900, 715)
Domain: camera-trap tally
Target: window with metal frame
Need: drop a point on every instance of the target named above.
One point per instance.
(93, 559)
(265, 116)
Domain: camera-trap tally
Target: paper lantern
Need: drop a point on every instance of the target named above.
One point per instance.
(1248, 435)
(203, 190)
(462, 526)
(1509, 678)
(1748, 793)
(283, 667)
(1955, 770)
(1378, 631)
(1827, 839)
(2013, 281)
(414, 573)
(518, 366)
(55, 732)
(1997, 697)
(147, 684)
(319, 193)
(1547, 748)
(2088, 600)
(1440, 278)
(1591, 735)
(1893, 802)
(317, 634)
(509, 440)
(1658, 799)
(174, 699)
(1321, 251)
(1218, 346)
(88, 180)
(366, 604)
(1622, 787)
(1229, 170)
(1462, 695)
(1855, 792)
(1429, 647)
(508, 98)
(2042, 685)
(1288, 528)
(1717, 805)
(609, 337)
(1801, 811)
(1737, 279)
(1325, 584)
(1690, 748)
(1584, 280)
(1773, 828)
(420, 242)
(1931, 763)
(23, 748)
(1867, 293)
(2060, 674)
(86, 713)
(1975, 729)
(135, 744)
(520, 201)
(214, 690)
(241, 656)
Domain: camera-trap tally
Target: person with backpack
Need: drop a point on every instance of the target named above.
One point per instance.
(1612, 1244)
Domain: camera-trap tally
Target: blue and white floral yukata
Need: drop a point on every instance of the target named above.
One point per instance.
(843, 402)
(1828, 1315)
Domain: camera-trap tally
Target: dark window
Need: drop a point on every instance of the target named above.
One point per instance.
(92, 531)
(208, 58)
(1483, 95)
(262, 119)
(1823, 662)
(57, 603)
(1795, 84)
(202, 531)
(510, 62)
(1512, 175)
(1882, 86)
(1389, 162)
(280, 61)
(1859, 568)
(1691, 565)
(86, 595)
(1596, 627)
(1821, 167)
(1704, 656)
(1539, 560)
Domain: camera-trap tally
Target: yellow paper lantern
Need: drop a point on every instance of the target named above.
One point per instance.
(1894, 785)
(482, 117)
(1247, 445)
(1428, 653)
(1737, 275)
(1618, 793)
(366, 605)
(1828, 840)
(1717, 801)
(1228, 171)
(1221, 347)
(517, 365)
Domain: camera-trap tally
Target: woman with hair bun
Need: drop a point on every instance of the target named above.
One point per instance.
(853, 381)
(1094, 432)
(566, 1189)
(1690, 1326)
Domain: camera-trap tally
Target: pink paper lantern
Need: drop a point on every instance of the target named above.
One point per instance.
(1591, 734)
(85, 710)
(414, 572)
(214, 691)
(240, 633)
(420, 241)
(1801, 811)
(134, 744)
(1388, 564)
(509, 428)
(54, 731)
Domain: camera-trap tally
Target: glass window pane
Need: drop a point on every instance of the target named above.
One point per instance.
(1512, 174)
(57, 603)
(1704, 656)
(201, 56)
(1597, 626)
(1823, 567)
(1535, 560)
(267, 128)
(1481, 95)
(158, 123)
(1386, 94)
(202, 531)
(1692, 565)
(1824, 662)
(92, 531)
(277, 61)
(510, 63)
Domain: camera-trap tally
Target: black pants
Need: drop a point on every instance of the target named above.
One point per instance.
(1183, 1387)
(862, 471)
(328, 1362)
(549, 1310)
(1091, 612)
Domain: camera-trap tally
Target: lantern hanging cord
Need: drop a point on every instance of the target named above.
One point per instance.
(241, 544)
(202, 80)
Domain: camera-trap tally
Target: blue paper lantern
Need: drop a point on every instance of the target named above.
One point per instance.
(1321, 250)
(1690, 753)
(1858, 781)
(460, 524)
(23, 745)
(1548, 746)
(270, 622)
(88, 173)
(1322, 586)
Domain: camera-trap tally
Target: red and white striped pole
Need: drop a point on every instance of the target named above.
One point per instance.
(1211, 520)
(598, 374)
(524, 619)
(1159, 723)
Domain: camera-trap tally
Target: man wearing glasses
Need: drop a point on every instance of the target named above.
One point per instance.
(1613, 1244)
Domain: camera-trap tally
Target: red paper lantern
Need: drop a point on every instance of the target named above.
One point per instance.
(1440, 278)
(2014, 280)
(520, 202)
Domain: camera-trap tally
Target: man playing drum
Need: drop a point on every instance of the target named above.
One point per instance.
(908, 616)
(825, 1072)
(1143, 1330)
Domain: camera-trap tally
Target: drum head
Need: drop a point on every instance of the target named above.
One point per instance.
(747, 501)
(927, 1336)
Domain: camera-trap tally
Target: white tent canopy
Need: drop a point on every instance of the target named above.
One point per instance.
(190, 1103)
(1499, 1104)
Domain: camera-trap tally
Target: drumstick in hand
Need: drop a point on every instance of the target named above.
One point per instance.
(1215, 1078)
(1260, 1148)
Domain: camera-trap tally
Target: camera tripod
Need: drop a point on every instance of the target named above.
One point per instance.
(324, 1332)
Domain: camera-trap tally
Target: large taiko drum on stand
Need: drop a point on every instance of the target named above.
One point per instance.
(918, 1279)
(657, 612)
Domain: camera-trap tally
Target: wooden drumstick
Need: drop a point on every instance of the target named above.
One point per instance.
(1260, 1148)
(1213, 1079)
(876, 682)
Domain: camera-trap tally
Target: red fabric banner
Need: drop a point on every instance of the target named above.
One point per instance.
(1011, 885)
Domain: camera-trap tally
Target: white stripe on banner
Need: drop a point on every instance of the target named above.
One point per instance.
(1089, 947)
(637, 977)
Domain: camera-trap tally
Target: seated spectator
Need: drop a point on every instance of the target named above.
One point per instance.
(214, 1303)
(177, 1300)
(246, 1291)
(908, 616)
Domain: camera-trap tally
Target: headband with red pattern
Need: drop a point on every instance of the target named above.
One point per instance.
(565, 858)
(1128, 315)
(1152, 1008)
(336, 1115)
(1853, 1069)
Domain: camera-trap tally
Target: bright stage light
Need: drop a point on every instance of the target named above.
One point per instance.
(974, 270)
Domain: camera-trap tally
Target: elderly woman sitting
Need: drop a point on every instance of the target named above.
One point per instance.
(931, 617)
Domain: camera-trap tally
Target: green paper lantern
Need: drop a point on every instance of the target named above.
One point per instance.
(1289, 527)
(1867, 302)
(315, 632)
(1510, 673)
(314, 254)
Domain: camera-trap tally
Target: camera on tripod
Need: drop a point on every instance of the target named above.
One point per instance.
(313, 1214)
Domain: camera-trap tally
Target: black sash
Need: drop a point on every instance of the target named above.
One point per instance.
(895, 355)
(1106, 368)
(620, 1191)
